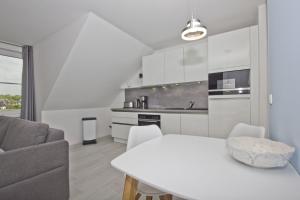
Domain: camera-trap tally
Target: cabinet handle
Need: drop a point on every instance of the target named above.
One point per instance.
(124, 124)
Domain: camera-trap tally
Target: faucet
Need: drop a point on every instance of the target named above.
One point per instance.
(191, 104)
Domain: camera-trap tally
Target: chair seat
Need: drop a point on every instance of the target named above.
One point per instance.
(148, 190)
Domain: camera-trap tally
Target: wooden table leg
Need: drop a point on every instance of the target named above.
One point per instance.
(130, 187)
(166, 197)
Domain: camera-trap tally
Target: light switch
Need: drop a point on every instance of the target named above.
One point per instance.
(270, 99)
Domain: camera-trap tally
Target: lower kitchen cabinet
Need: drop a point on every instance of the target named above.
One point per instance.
(127, 115)
(194, 124)
(120, 132)
(225, 113)
(121, 124)
(170, 123)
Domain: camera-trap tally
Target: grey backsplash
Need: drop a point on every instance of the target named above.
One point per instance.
(172, 96)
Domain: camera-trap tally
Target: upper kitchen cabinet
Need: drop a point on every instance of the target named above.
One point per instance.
(153, 69)
(174, 70)
(195, 62)
(229, 50)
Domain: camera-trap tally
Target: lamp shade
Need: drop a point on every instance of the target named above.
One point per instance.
(194, 30)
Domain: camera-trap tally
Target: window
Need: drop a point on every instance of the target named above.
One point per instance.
(10, 83)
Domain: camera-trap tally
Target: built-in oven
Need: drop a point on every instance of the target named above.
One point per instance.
(229, 82)
(148, 119)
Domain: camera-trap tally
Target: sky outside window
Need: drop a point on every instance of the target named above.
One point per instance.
(10, 85)
(11, 74)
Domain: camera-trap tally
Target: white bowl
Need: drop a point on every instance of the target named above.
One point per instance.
(259, 152)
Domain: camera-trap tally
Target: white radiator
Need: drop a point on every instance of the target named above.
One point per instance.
(89, 130)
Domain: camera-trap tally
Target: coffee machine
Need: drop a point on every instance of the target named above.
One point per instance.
(144, 102)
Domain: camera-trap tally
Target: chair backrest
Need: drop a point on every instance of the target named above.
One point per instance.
(140, 134)
(242, 129)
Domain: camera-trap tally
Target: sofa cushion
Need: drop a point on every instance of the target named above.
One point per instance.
(4, 122)
(54, 135)
(22, 133)
(1, 151)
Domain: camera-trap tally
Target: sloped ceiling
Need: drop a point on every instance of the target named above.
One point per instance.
(156, 23)
(51, 55)
(101, 59)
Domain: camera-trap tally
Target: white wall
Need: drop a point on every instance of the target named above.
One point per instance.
(84, 64)
(70, 122)
(79, 71)
(118, 102)
(134, 80)
(50, 55)
(102, 58)
(284, 59)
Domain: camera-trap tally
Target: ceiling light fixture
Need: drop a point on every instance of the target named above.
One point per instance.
(194, 30)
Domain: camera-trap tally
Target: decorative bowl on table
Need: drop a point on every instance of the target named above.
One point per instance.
(259, 152)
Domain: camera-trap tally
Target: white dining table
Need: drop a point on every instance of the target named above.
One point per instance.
(200, 168)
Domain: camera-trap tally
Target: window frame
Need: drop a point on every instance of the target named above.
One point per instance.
(13, 51)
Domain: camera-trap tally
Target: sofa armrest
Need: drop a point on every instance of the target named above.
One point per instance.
(20, 164)
(54, 135)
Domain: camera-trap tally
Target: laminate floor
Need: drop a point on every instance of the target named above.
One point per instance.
(91, 175)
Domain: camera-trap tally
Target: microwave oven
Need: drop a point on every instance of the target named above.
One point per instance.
(229, 82)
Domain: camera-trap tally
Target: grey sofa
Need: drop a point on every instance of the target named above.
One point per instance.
(34, 163)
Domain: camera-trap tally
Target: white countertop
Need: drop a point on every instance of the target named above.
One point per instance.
(194, 167)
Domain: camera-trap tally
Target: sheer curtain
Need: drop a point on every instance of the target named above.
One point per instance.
(28, 110)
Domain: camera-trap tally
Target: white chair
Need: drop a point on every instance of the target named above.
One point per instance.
(242, 129)
(138, 135)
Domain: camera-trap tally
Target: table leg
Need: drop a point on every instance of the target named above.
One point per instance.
(166, 197)
(130, 188)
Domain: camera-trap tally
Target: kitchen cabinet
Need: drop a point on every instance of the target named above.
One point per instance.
(194, 124)
(176, 65)
(170, 123)
(121, 124)
(226, 112)
(222, 52)
(130, 115)
(120, 132)
(195, 62)
(153, 69)
(229, 51)
(174, 70)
